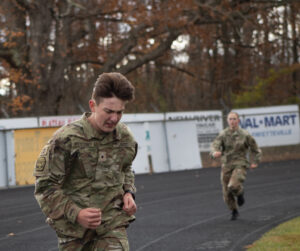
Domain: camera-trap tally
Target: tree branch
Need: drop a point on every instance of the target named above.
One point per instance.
(179, 69)
(156, 53)
(129, 43)
(8, 56)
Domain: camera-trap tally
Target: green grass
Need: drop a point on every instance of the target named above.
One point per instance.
(285, 237)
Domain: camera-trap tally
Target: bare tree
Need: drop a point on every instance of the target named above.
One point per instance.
(51, 52)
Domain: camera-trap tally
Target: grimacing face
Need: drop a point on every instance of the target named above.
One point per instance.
(233, 121)
(107, 114)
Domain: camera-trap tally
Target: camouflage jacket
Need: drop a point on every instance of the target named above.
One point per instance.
(80, 168)
(234, 146)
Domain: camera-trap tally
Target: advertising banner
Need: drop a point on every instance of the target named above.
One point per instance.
(57, 121)
(208, 124)
(272, 126)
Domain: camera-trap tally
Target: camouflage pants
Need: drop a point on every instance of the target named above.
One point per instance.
(232, 179)
(115, 240)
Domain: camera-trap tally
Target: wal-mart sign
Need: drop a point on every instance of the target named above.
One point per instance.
(272, 126)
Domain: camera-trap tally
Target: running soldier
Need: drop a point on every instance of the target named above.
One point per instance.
(84, 181)
(232, 145)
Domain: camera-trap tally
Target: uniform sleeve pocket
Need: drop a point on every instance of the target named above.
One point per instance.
(129, 151)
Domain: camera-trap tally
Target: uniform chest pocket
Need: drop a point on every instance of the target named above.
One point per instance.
(231, 143)
(119, 157)
(88, 157)
(110, 159)
(240, 144)
(109, 168)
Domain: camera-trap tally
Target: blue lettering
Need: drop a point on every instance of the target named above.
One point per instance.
(272, 133)
(249, 123)
(293, 118)
(285, 119)
(278, 121)
(254, 123)
(269, 121)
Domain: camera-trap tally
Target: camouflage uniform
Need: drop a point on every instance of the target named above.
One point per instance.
(234, 146)
(80, 168)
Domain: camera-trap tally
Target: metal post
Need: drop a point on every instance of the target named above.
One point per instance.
(5, 152)
(6, 159)
(148, 145)
(167, 142)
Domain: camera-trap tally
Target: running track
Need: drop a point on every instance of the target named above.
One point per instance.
(178, 211)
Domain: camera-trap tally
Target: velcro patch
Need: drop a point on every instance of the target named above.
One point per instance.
(40, 164)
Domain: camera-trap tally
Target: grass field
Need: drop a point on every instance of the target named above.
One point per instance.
(285, 237)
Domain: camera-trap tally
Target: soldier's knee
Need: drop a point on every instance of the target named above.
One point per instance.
(234, 189)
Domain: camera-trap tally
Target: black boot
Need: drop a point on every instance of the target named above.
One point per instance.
(234, 214)
(240, 200)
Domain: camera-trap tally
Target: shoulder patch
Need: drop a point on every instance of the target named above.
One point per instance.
(40, 164)
(41, 168)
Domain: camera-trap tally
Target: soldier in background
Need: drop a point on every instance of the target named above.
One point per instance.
(84, 181)
(232, 145)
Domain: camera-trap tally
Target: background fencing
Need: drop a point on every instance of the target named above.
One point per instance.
(167, 141)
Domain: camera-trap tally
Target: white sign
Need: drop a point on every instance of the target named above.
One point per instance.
(272, 126)
(183, 145)
(57, 121)
(208, 124)
(18, 123)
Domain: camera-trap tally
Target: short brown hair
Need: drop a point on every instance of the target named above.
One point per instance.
(113, 84)
(231, 112)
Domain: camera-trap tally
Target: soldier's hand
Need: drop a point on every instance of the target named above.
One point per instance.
(89, 217)
(217, 154)
(129, 204)
(252, 166)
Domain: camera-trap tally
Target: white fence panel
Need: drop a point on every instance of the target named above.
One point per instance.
(18, 123)
(3, 162)
(157, 145)
(7, 159)
(183, 145)
(140, 164)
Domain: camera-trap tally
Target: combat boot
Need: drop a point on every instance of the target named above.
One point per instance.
(234, 214)
(240, 200)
